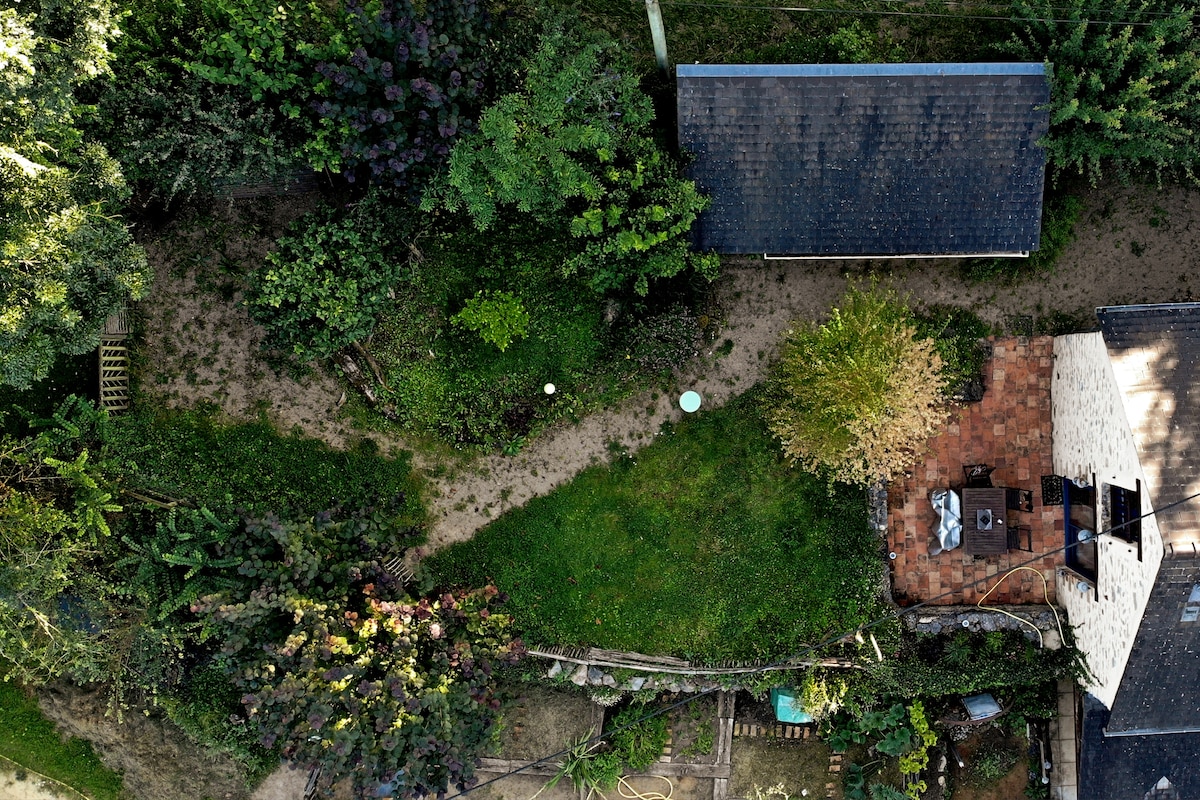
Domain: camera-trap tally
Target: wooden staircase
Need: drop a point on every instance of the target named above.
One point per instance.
(114, 364)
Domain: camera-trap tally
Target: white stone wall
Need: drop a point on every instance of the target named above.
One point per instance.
(1092, 435)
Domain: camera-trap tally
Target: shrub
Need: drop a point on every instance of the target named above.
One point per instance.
(176, 133)
(855, 398)
(958, 337)
(397, 90)
(1123, 96)
(497, 316)
(327, 283)
(574, 144)
(637, 742)
(346, 671)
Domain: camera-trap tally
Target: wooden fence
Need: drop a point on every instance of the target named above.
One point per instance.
(615, 659)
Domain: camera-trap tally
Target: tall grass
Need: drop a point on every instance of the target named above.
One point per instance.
(704, 544)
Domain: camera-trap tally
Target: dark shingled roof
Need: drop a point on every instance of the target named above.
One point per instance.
(1161, 345)
(873, 159)
(1160, 689)
(1128, 767)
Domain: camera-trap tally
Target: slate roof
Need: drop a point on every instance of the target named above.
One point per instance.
(1160, 689)
(1129, 767)
(1155, 353)
(873, 159)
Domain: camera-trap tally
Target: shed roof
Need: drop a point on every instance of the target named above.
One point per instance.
(873, 159)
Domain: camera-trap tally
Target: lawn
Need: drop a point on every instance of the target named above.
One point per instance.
(200, 457)
(704, 544)
(31, 740)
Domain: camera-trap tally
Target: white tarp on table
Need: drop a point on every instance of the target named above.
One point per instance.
(949, 507)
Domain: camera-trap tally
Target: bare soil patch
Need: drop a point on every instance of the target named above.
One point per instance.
(157, 759)
(801, 766)
(540, 721)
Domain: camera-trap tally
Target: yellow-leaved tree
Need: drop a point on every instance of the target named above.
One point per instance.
(857, 397)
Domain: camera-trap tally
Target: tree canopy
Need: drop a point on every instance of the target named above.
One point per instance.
(1124, 97)
(346, 670)
(66, 260)
(574, 143)
(856, 397)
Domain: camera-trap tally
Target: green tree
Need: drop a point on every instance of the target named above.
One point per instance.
(575, 142)
(66, 260)
(857, 397)
(347, 671)
(1123, 96)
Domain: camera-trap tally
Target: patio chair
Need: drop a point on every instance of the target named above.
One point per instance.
(1018, 499)
(978, 476)
(1020, 537)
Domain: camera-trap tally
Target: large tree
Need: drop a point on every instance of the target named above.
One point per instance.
(347, 671)
(1125, 84)
(574, 146)
(66, 260)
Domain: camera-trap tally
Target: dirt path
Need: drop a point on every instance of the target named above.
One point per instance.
(1132, 246)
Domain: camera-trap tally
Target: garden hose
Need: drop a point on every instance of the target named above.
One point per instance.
(1045, 594)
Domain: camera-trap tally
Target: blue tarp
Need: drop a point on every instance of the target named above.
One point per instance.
(787, 706)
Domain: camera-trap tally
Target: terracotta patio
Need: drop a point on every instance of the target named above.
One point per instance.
(1009, 430)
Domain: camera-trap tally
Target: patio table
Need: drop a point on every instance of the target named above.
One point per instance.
(985, 529)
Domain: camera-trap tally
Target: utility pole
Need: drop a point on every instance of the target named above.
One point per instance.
(658, 34)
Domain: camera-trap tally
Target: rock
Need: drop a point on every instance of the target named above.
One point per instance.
(580, 676)
(635, 684)
(935, 627)
(555, 669)
(924, 620)
(687, 687)
(594, 675)
(609, 680)
(650, 684)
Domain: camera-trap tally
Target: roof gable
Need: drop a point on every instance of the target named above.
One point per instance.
(1155, 355)
(874, 159)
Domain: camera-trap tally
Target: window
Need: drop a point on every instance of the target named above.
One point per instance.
(1124, 513)
(1191, 609)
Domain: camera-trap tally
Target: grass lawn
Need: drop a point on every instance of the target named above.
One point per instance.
(194, 455)
(31, 740)
(704, 544)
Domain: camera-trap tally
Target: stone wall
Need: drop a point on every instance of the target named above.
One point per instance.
(942, 619)
(1092, 436)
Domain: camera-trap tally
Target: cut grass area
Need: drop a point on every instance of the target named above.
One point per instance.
(32, 741)
(704, 544)
(194, 456)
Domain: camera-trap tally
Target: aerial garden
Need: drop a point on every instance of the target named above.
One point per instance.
(491, 201)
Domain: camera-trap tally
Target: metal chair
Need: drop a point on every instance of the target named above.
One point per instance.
(978, 476)
(1020, 537)
(1018, 499)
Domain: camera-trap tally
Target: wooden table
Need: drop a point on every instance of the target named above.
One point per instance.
(982, 542)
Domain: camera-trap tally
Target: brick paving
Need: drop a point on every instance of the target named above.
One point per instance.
(1009, 430)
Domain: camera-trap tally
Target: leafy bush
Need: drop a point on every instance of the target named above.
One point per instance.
(637, 742)
(326, 285)
(176, 133)
(574, 143)
(397, 89)
(346, 671)
(498, 317)
(958, 336)
(1123, 96)
(856, 397)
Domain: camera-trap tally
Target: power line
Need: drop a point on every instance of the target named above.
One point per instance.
(867, 626)
(868, 12)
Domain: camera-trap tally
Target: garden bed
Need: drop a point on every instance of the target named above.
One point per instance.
(540, 721)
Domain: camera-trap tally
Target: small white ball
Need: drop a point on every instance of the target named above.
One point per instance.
(550, 388)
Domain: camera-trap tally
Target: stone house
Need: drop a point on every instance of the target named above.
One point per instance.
(1126, 422)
